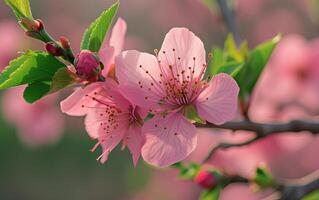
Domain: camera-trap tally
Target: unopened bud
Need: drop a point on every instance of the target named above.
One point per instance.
(65, 42)
(53, 49)
(32, 25)
(33, 34)
(206, 179)
(87, 66)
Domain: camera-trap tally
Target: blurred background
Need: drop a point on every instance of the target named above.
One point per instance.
(45, 154)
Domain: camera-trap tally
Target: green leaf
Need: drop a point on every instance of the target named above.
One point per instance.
(29, 68)
(212, 194)
(61, 79)
(94, 36)
(36, 91)
(189, 172)
(233, 53)
(263, 178)
(191, 114)
(251, 71)
(312, 196)
(21, 8)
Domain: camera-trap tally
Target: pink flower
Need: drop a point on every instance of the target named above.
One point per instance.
(169, 83)
(110, 117)
(38, 124)
(87, 65)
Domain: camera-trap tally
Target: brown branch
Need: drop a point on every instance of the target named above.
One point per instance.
(264, 129)
(261, 129)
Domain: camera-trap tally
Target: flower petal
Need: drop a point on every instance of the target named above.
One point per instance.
(118, 36)
(138, 74)
(181, 46)
(134, 140)
(218, 103)
(168, 140)
(110, 141)
(73, 105)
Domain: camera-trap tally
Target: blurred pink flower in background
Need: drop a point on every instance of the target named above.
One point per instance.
(11, 40)
(37, 124)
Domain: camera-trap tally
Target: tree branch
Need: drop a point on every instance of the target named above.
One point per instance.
(229, 18)
(261, 129)
(296, 192)
(264, 129)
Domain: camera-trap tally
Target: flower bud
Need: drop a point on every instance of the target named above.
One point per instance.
(87, 66)
(65, 42)
(32, 25)
(206, 179)
(53, 49)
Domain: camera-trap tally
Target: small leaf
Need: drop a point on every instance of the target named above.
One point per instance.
(61, 79)
(191, 114)
(263, 178)
(189, 172)
(94, 36)
(233, 53)
(36, 91)
(212, 194)
(29, 68)
(312, 196)
(251, 71)
(21, 9)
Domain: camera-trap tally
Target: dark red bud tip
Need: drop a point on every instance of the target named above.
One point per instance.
(53, 49)
(206, 179)
(87, 66)
(65, 42)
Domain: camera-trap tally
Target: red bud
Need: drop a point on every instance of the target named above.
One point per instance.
(53, 49)
(206, 179)
(65, 42)
(87, 66)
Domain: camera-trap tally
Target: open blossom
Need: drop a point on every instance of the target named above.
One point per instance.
(110, 118)
(167, 85)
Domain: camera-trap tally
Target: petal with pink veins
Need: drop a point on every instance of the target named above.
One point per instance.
(218, 103)
(168, 140)
(179, 48)
(138, 75)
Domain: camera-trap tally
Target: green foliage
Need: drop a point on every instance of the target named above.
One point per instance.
(61, 79)
(187, 172)
(212, 194)
(21, 8)
(95, 34)
(30, 67)
(191, 114)
(36, 91)
(263, 178)
(312, 196)
(243, 64)
(42, 72)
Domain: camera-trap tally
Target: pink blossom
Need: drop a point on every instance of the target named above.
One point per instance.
(38, 124)
(110, 118)
(169, 83)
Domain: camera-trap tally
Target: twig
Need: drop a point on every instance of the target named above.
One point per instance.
(296, 192)
(261, 129)
(264, 129)
(229, 19)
